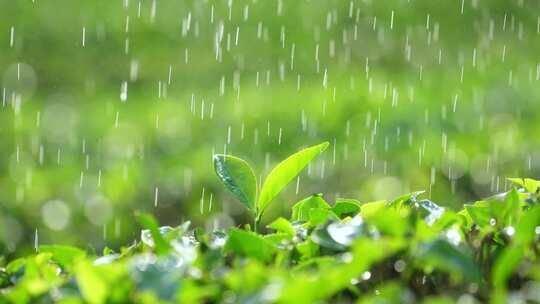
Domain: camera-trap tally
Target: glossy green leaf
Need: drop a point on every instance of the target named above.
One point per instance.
(285, 172)
(238, 178)
(405, 200)
(308, 288)
(321, 237)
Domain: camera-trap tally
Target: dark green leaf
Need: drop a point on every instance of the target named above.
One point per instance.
(238, 177)
(346, 207)
(445, 256)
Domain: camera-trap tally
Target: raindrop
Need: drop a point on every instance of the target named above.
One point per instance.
(400, 265)
(156, 196)
(366, 275)
(510, 231)
(36, 240)
(453, 236)
(124, 91)
(210, 202)
(81, 180)
(202, 202)
(83, 38)
(12, 36)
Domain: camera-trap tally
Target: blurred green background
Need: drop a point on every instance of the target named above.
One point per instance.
(114, 106)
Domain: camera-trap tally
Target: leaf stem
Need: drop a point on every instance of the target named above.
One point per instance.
(256, 221)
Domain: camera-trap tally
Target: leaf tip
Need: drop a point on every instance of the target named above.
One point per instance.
(324, 145)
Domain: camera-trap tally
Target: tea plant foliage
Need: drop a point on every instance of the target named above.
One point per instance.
(285, 172)
(406, 250)
(239, 179)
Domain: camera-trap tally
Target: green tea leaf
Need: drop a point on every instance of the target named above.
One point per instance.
(387, 220)
(249, 244)
(282, 225)
(346, 207)
(512, 208)
(93, 287)
(307, 249)
(301, 210)
(150, 223)
(371, 208)
(444, 256)
(238, 178)
(277, 238)
(516, 181)
(506, 264)
(285, 172)
(526, 229)
(319, 216)
(63, 255)
(531, 185)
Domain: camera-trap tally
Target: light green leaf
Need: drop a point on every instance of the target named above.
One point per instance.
(238, 177)
(512, 209)
(371, 208)
(308, 249)
(516, 181)
(388, 221)
(162, 247)
(319, 216)
(301, 210)
(506, 264)
(63, 255)
(249, 244)
(277, 238)
(531, 185)
(526, 227)
(282, 225)
(285, 172)
(93, 287)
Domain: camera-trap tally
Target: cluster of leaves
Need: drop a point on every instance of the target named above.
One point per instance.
(402, 251)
